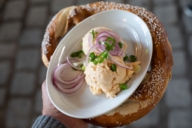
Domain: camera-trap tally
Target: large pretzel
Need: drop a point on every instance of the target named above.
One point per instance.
(151, 90)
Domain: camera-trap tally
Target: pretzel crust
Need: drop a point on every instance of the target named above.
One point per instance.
(152, 88)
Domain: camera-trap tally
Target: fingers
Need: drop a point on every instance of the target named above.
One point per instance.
(43, 87)
(50, 110)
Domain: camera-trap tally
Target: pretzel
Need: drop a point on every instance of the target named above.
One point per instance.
(152, 88)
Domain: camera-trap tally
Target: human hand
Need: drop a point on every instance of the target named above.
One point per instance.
(50, 110)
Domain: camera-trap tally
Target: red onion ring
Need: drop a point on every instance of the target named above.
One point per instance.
(68, 86)
(109, 33)
(67, 82)
(102, 36)
(64, 81)
(60, 69)
(72, 64)
(90, 40)
(71, 90)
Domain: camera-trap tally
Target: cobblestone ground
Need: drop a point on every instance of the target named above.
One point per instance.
(22, 25)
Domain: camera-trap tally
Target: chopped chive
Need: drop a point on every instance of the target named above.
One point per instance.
(98, 59)
(111, 39)
(105, 54)
(93, 33)
(95, 62)
(92, 56)
(120, 44)
(109, 43)
(109, 46)
(133, 58)
(123, 86)
(83, 68)
(113, 67)
(77, 54)
(125, 58)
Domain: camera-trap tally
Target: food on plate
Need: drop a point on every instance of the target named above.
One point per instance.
(106, 66)
(151, 90)
(102, 79)
(66, 79)
(107, 69)
(92, 38)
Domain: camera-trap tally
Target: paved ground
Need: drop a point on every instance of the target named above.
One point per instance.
(22, 25)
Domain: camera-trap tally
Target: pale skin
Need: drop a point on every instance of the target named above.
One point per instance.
(50, 110)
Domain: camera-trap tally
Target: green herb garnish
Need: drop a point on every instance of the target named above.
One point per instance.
(102, 57)
(92, 56)
(123, 86)
(93, 33)
(104, 54)
(126, 58)
(108, 45)
(111, 39)
(120, 44)
(83, 68)
(98, 59)
(133, 58)
(95, 62)
(77, 54)
(113, 67)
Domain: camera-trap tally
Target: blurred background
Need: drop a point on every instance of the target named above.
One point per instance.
(22, 26)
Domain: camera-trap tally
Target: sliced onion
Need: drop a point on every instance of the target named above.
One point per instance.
(69, 62)
(63, 70)
(108, 33)
(71, 90)
(90, 40)
(102, 37)
(59, 78)
(68, 83)
(66, 86)
(130, 67)
(67, 79)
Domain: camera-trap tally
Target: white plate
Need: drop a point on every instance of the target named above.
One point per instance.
(83, 104)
